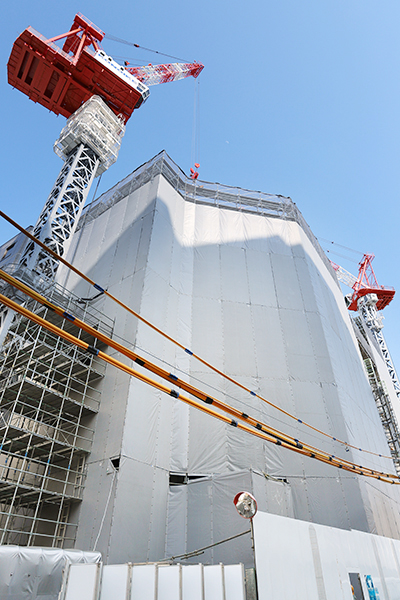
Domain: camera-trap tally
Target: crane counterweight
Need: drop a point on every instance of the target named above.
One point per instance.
(63, 79)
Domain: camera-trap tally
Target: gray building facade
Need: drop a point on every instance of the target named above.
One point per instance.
(238, 278)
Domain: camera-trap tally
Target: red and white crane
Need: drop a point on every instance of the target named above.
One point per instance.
(368, 298)
(98, 96)
(62, 79)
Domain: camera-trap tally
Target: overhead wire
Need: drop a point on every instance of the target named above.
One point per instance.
(333, 251)
(340, 246)
(137, 358)
(121, 41)
(256, 431)
(177, 343)
(208, 399)
(195, 136)
(150, 366)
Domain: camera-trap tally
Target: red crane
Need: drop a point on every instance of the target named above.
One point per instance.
(365, 283)
(97, 95)
(62, 79)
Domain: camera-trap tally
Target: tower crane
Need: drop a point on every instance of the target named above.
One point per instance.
(98, 96)
(368, 298)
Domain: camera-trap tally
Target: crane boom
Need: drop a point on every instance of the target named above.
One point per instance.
(155, 74)
(344, 276)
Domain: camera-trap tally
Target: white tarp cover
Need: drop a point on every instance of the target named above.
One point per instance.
(36, 573)
(296, 559)
(250, 294)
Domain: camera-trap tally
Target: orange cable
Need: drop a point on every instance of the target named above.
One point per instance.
(318, 454)
(166, 336)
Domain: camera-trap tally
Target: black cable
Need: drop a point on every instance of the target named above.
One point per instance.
(121, 41)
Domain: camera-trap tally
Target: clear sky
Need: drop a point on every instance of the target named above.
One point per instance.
(299, 98)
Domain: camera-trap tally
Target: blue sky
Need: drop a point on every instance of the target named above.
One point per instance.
(297, 98)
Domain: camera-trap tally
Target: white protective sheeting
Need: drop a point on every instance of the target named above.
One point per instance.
(296, 559)
(202, 513)
(251, 294)
(36, 573)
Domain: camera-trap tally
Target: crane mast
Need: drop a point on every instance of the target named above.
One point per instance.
(372, 319)
(368, 299)
(98, 96)
(89, 144)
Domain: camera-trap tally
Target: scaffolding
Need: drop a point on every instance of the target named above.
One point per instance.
(49, 396)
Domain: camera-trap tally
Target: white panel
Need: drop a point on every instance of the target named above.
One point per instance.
(143, 582)
(114, 582)
(284, 561)
(168, 587)
(82, 582)
(234, 582)
(309, 562)
(192, 582)
(213, 582)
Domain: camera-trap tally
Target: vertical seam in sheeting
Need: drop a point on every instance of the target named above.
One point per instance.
(396, 558)
(212, 517)
(378, 562)
(116, 487)
(293, 410)
(120, 235)
(319, 577)
(339, 479)
(153, 213)
(152, 504)
(257, 377)
(221, 304)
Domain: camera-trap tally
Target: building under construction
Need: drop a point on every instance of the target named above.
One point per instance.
(94, 458)
(173, 354)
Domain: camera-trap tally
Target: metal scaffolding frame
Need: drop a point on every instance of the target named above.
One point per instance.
(373, 320)
(49, 396)
(385, 410)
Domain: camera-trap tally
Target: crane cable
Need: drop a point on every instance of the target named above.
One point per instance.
(121, 41)
(177, 343)
(299, 448)
(195, 138)
(161, 372)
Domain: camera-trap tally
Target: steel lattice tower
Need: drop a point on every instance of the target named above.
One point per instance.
(89, 143)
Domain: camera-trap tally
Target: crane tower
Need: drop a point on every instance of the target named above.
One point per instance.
(368, 299)
(98, 96)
